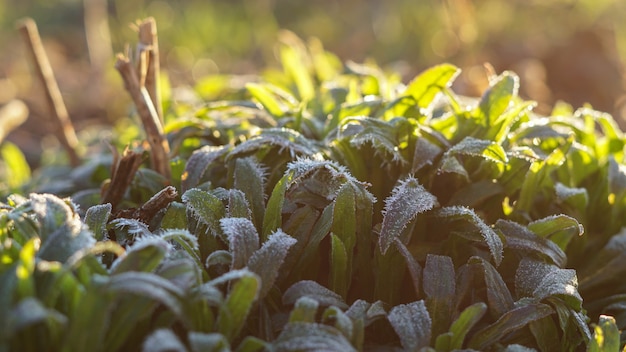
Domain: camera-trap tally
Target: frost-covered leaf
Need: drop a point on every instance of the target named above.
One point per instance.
(147, 285)
(490, 237)
(273, 214)
(337, 318)
(511, 321)
(384, 136)
(198, 163)
(412, 323)
(175, 216)
(560, 229)
(425, 87)
(578, 198)
(249, 177)
(339, 280)
(520, 238)
(205, 208)
(266, 261)
(486, 149)
(283, 138)
(311, 337)
(408, 199)
(60, 229)
(163, 340)
(97, 218)
(29, 312)
(144, 255)
(243, 239)
(312, 289)
(439, 288)
(540, 281)
(243, 294)
(425, 154)
(498, 294)
(304, 310)
(202, 341)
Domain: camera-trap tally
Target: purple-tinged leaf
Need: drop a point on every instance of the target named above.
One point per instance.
(511, 321)
(490, 237)
(540, 280)
(163, 340)
(412, 323)
(312, 289)
(198, 163)
(311, 337)
(520, 238)
(439, 288)
(498, 294)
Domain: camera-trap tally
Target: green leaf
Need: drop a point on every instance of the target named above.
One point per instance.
(312, 289)
(17, 171)
(265, 96)
(311, 337)
(149, 286)
(608, 265)
(205, 208)
(243, 240)
(253, 344)
(485, 149)
(337, 318)
(560, 229)
(412, 323)
(238, 206)
(295, 67)
(97, 218)
(304, 310)
(439, 288)
(384, 136)
(175, 216)
(606, 336)
(273, 214)
(239, 301)
(407, 199)
(468, 318)
(29, 312)
(497, 98)
(163, 340)
(339, 280)
(490, 237)
(266, 261)
(425, 87)
(144, 255)
(61, 231)
(511, 321)
(249, 177)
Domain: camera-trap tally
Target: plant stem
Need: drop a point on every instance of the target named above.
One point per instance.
(158, 143)
(65, 129)
(122, 174)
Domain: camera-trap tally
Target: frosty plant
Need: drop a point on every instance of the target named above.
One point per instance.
(331, 207)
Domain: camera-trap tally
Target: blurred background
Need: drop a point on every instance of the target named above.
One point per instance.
(570, 50)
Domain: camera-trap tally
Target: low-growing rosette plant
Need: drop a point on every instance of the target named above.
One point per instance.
(325, 207)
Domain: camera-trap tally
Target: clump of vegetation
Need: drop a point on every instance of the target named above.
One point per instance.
(329, 207)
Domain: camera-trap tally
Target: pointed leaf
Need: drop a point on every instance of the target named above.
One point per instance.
(425, 87)
(205, 208)
(163, 340)
(408, 199)
(511, 321)
(242, 296)
(243, 240)
(311, 337)
(273, 214)
(143, 256)
(440, 290)
(197, 165)
(339, 279)
(606, 336)
(250, 179)
(469, 317)
(201, 342)
(312, 289)
(490, 237)
(520, 238)
(497, 98)
(267, 99)
(558, 228)
(486, 149)
(97, 218)
(540, 280)
(266, 261)
(498, 294)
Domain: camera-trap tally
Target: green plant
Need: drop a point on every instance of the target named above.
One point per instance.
(334, 208)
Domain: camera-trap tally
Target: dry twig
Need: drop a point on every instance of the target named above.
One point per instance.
(65, 129)
(122, 174)
(149, 46)
(159, 146)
